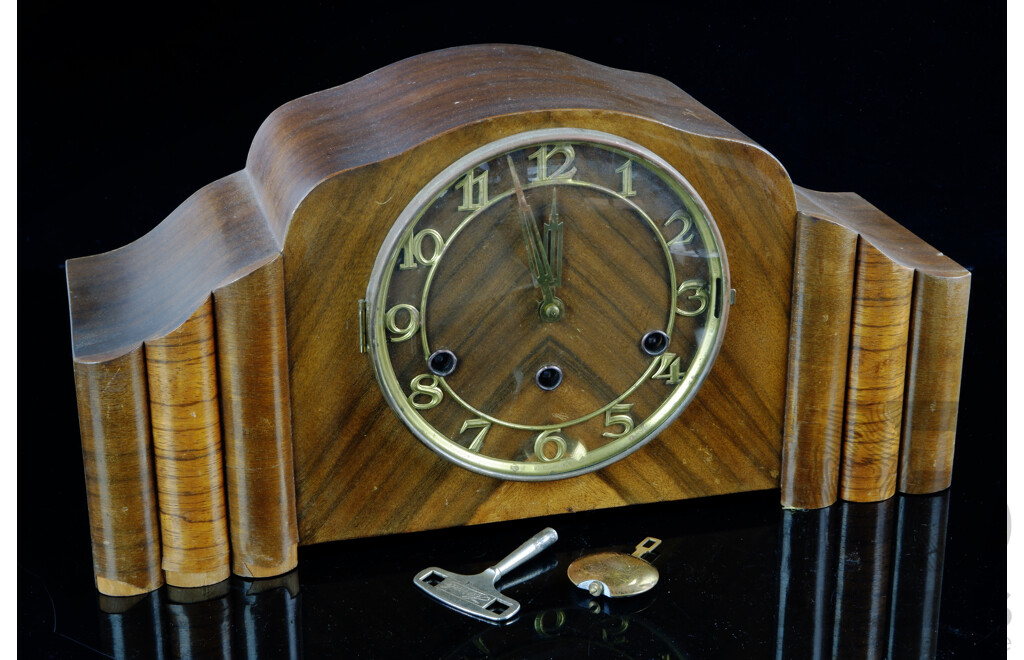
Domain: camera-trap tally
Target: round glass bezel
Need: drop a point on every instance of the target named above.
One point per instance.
(644, 431)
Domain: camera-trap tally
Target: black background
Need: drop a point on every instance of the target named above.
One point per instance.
(122, 114)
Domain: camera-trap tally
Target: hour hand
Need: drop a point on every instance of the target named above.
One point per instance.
(553, 240)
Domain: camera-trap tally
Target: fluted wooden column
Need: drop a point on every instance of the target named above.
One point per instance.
(252, 353)
(113, 414)
(874, 380)
(876, 349)
(182, 370)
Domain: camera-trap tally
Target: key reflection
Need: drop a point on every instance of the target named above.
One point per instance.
(571, 632)
(862, 580)
(853, 580)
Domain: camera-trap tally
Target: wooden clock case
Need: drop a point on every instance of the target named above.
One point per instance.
(228, 414)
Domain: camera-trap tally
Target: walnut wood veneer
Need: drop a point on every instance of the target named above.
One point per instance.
(226, 342)
(257, 422)
(187, 449)
(113, 408)
(876, 350)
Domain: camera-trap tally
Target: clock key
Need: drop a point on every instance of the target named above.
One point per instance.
(477, 595)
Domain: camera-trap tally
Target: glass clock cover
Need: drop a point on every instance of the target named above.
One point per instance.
(547, 304)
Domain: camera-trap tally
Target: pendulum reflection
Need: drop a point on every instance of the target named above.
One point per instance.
(571, 632)
(853, 580)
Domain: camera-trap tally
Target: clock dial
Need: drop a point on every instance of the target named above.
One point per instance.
(547, 304)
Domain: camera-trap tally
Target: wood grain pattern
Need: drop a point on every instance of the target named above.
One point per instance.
(114, 418)
(359, 472)
(397, 108)
(818, 350)
(938, 323)
(935, 291)
(252, 356)
(875, 376)
(148, 288)
(616, 285)
(332, 187)
(182, 371)
(326, 178)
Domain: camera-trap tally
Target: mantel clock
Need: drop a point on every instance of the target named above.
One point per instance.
(496, 282)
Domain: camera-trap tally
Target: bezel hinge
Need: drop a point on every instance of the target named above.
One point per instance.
(364, 335)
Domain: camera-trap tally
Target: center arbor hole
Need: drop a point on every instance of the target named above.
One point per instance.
(442, 363)
(549, 377)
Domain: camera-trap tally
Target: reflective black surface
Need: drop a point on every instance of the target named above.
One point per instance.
(739, 578)
(121, 119)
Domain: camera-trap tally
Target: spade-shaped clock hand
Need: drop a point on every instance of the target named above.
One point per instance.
(537, 253)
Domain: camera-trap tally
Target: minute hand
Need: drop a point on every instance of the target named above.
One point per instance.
(536, 255)
(551, 308)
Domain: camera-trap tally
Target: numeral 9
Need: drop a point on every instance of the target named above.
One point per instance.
(401, 333)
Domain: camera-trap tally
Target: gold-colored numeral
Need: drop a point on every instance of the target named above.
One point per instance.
(477, 423)
(402, 332)
(425, 385)
(668, 369)
(474, 191)
(626, 170)
(546, 438)
(700, 294)
(564, 171)
(412, 250)
(618, 415)
(686, 234)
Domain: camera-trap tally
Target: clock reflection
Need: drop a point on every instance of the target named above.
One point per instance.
(851, 580)
(232, 619)
(862, 580)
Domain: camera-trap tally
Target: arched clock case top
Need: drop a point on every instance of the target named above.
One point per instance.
(229, 411)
